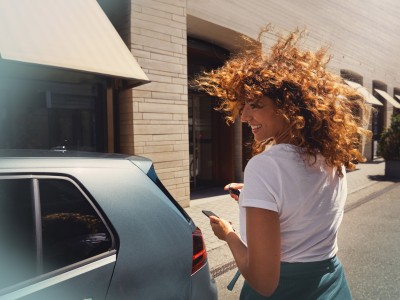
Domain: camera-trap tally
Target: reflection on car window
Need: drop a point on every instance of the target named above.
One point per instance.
(17, 235)
(72, 230)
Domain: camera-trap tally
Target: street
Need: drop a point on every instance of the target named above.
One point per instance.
(369, 248)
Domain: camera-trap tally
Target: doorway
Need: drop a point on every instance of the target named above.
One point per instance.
(210, 138)
(210, 144)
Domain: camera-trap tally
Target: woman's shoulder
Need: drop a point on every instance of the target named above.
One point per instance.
(289, 148)
(284, 151)
(273, 156)
(276, 157)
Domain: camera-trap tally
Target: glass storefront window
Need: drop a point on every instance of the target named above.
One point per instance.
(46, 115)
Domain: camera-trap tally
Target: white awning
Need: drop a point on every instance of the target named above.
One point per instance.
(388, 98)
(369, 98)
(397, 96)
(66, 34)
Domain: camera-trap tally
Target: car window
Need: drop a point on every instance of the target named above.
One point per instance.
(17, 232)
(69, 228)
(72, 229)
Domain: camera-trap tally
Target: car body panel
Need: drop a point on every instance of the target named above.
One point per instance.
(203, 284)
(137, 238)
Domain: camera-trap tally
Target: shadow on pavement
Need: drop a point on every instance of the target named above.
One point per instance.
(376, 161)
(383, 178)
(208, 192)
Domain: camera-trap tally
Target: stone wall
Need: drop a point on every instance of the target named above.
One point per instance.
(154, 117)
(362, 34)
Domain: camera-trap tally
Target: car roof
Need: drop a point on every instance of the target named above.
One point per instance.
(37, 154)
(10, 153)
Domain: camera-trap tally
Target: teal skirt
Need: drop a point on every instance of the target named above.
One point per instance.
(312, 280)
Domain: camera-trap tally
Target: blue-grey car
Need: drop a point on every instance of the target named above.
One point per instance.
(77, 225)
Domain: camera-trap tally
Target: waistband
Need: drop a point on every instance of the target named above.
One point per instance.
(299, 268)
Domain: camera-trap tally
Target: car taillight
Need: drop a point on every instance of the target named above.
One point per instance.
(199, 258)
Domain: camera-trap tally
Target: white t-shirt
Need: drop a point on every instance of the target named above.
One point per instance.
(309, 199)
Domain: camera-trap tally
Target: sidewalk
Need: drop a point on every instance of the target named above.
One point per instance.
(366, 177)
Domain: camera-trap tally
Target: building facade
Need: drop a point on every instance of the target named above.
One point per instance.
(197, 149)
(173, 40)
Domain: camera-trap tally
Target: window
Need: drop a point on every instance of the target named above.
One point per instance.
(68, 230)
(46, 115)
(72, 230)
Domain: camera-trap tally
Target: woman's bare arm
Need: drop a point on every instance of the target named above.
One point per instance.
(259, 262)
(264, 248)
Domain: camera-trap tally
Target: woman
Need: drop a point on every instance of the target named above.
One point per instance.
(307, 130)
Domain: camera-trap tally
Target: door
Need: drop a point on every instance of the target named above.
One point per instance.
(210, 144)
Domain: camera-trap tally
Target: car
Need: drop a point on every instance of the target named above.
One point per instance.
(83, 225)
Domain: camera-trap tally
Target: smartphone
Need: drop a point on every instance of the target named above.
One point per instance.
(234, 191)
(209, 213)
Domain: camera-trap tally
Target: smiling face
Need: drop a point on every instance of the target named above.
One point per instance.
(265, 123)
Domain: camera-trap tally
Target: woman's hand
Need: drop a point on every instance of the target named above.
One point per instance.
(235, 186)
(221, 227)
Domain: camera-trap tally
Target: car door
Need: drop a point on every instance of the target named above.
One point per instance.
(54, 242)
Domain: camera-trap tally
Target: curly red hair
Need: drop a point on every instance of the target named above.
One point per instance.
(326, 116)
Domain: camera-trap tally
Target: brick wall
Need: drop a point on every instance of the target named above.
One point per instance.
(154, 117)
